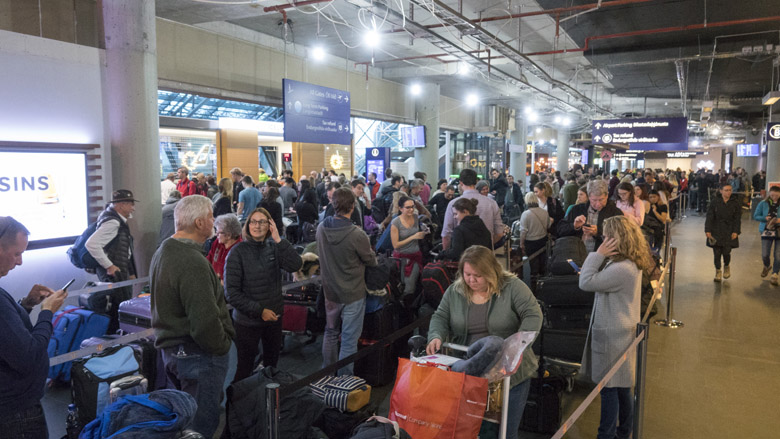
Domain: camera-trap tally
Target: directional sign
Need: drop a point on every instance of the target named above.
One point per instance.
(773, 131)
(667, 134)
(314, 114)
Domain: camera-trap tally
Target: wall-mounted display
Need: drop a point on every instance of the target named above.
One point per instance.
(45, 191)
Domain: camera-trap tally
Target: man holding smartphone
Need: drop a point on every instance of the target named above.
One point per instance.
(24, 362)
(585, 220)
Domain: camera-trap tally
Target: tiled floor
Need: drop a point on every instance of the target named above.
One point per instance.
(712, 379)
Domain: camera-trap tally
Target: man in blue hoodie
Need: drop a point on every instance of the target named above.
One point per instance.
(24, 362)
(344, 252)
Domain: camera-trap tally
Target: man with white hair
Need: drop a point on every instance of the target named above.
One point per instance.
(189, 313)
(585, 220)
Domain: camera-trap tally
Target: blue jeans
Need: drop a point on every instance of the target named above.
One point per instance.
(766, 249)
(617, 413)
(347, 321)
(203, 377)
(518, 395)
(29, 423)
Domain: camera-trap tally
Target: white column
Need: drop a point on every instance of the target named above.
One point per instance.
(563, 150)
(517, 159)
(427, 159)
(773, 154)
(130, 84)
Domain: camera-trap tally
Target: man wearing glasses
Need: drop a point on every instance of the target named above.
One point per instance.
(585, 220)
(24, 362)
(112, 247)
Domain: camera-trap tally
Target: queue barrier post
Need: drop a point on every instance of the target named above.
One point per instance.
(669, 322)
(272, 409)
(642, 329)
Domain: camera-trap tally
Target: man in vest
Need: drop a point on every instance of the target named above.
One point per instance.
(112, 247)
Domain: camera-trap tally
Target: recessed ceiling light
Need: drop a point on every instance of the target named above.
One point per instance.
(472, 99)
(415, 89)
(318, 53)
(371, 38)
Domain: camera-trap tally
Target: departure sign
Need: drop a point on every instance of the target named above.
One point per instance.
(314, 114)
(667, 134)
(748, 150)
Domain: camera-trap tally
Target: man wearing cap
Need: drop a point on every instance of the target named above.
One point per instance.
(112, 247)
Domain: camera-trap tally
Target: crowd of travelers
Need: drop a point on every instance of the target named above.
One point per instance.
(217, 275)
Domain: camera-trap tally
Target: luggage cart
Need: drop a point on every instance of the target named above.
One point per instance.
(417, 345)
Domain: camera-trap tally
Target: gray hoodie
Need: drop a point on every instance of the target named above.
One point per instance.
(344, 251)
(167, 226)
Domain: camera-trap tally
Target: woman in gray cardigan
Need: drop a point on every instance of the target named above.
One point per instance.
(486, 300)
(616, 312)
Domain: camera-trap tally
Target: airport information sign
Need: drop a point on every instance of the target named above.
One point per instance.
(665, 134)
(314, 114)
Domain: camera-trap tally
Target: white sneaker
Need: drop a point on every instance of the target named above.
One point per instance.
(718, 276)
(773, 279)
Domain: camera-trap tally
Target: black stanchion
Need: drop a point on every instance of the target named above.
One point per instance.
(273, 410)
(642, 329)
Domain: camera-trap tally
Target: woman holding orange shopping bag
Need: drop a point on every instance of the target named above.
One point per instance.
(485, 300)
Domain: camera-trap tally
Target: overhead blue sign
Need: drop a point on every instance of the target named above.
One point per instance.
(773, 131)
(314, 114)
(666, 134)
(748, 150)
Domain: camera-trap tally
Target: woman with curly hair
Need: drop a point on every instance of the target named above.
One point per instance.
(616, 312)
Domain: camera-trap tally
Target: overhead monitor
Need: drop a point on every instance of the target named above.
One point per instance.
(45, 191)
(413, 137)
(748, 150)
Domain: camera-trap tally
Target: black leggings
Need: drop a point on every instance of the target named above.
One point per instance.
(247, 339)
(719, 251)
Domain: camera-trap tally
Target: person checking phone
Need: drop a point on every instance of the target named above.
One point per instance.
(405, 233)
(585, 220)
(24, 362)
(253, 286)
(766, 215)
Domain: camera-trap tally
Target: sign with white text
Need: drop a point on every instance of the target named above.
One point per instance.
(314, 114)
(667, 134)
(45, 191)
(773, 131)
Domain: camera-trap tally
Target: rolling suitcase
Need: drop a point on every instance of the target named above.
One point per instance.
(543, 410)
(135, 315)
(152, 366)
(563, 290)
(71, 326)
(567, 247)
(378, 369)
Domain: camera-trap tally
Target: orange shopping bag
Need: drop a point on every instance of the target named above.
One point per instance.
(432, 403)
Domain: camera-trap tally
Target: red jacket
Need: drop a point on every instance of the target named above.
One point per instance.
(186, 187)
(218, 255)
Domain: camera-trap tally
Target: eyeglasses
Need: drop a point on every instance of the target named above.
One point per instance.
(258, 222)
(409, 207)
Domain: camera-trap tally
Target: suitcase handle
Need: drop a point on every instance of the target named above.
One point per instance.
(62, 314)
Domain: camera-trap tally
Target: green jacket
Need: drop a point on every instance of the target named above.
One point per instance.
(188, 304)
(514, 309)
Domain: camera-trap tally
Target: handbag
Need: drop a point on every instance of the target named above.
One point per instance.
(429, 402)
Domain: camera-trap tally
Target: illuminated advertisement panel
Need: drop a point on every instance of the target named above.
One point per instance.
(45, 191)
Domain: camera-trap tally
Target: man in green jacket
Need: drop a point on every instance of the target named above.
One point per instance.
(189, 314)
(569, 190)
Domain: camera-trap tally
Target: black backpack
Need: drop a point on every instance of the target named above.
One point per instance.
(382, 206)
(78, 254)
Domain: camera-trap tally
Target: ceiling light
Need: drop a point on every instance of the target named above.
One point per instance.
(415, 90)
(771, 98)
(553, 141)
(472, 99)
(557, 119)
(729, 141)
(463, 69)
(566, 121)
(371, 38)
(528, 110)
(666, 103)
(538, 130)
(533, 117)
(318, 53)
(695, 142)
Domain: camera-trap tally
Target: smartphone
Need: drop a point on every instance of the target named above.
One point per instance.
(574, 265)
(67, 285)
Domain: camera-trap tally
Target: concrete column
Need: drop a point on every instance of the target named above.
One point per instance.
(517, 160)
(427, 107)
(563, 150)
(130, 86)
(773, 154)
(751, 164)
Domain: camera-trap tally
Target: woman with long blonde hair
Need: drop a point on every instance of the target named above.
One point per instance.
(616, 312)
(487, 300)
(223, 201)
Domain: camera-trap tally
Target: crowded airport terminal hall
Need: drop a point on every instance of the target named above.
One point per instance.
(427, 219)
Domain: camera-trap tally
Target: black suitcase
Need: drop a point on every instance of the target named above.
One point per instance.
(567, 247)
(381, 323)
(563, 290)
(563, 344)
(377, 369)
(568, 317)
(543, 409)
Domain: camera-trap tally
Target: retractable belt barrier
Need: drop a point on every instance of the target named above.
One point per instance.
(75, 355)
(108, 286)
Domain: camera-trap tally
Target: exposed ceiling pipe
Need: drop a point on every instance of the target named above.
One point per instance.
(682, 81)
(658, 31)
(724, 55)
(556, 11)
(279, 8)
(435, 56)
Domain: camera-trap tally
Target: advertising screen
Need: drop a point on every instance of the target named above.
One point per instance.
(45, 191)
(377, 167)
(413, 137)
(748, 150)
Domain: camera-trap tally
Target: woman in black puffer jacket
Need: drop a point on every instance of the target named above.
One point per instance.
(470, 231)
(253, 286)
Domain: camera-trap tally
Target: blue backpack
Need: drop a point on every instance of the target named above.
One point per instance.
(78, 254)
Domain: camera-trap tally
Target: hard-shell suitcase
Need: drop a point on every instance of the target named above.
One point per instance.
(377, 369)
(71, 326)
(135, 315)
(567, 247)
(563, 290)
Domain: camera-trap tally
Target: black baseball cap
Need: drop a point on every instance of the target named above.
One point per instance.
(122, 195)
